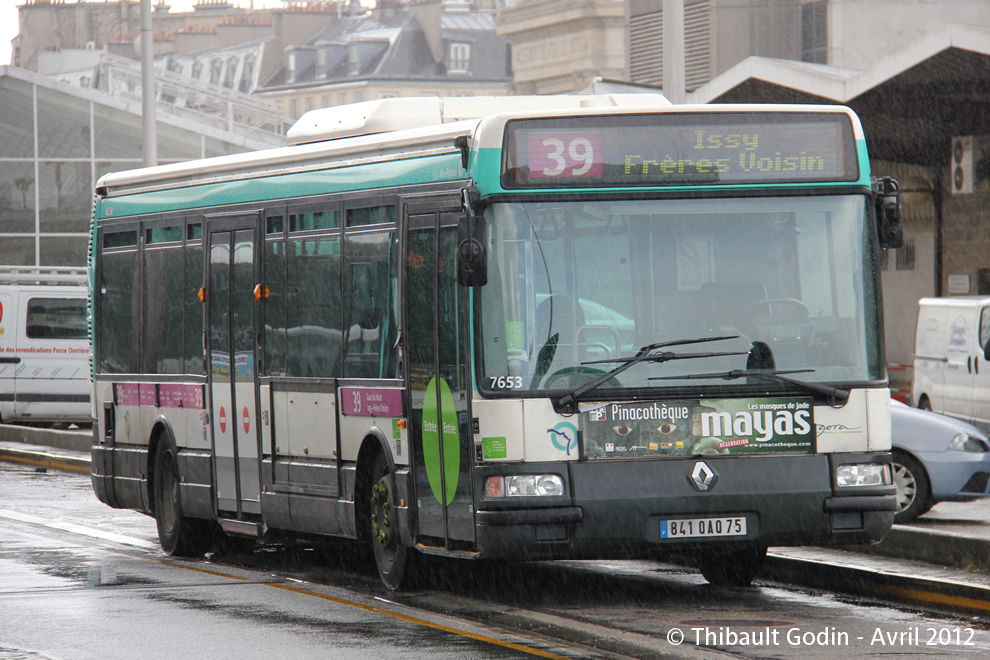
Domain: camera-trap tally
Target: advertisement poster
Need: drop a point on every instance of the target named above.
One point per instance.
(699, 427)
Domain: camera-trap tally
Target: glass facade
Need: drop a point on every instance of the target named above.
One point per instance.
(57, 142)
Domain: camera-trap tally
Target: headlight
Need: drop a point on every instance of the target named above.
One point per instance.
(864, 474)
(963, 442)
(524, 485)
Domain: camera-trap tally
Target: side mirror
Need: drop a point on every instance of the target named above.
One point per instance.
(472, 250)
(890, 213)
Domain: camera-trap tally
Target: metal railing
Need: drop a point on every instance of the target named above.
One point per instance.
(187, 99)
(42, 275)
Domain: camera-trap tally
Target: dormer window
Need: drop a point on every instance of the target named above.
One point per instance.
(290, 67)
(459, 58)
(321, 63)
(353, 60)
(216, 68)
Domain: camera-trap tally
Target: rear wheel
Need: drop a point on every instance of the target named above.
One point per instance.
(913, 489)
(179, 536)
(732, 568)
(391, 557)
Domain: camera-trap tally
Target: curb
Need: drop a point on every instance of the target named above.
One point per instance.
(72, 440)
(949, 595)
(939, 548)
(46, 460)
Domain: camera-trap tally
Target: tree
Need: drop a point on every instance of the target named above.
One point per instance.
(23, 183)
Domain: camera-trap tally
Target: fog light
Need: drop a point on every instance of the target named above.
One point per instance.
(524, 485)
(864, 474)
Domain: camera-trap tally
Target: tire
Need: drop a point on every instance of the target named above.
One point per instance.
(733, 568)
(179, 536)
(391, 557)
(913, 488)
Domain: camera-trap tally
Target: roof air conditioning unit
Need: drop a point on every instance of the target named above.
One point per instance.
(962, 165)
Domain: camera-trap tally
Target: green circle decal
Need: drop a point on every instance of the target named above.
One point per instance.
(437, 434)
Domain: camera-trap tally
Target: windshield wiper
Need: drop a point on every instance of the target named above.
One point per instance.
(567, 404)
(832, 395)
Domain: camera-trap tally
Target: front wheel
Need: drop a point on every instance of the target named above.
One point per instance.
(911, 488)
(732, 568)
(179, 536)
(391, 557)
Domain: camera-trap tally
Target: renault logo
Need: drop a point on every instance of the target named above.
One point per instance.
(702, 476)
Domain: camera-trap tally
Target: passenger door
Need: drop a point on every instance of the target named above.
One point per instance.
(439, 378)
(231, 331)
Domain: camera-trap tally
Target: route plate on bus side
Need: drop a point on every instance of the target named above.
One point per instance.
(684, 528)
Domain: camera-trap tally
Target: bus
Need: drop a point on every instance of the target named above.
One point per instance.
(504, 328)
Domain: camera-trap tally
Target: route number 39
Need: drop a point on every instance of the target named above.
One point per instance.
(565, 154)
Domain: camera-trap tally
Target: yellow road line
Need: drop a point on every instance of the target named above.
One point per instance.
(379, 610)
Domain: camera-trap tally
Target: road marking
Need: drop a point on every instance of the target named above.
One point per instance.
(73, 528)
(372, 608)
(418, 621)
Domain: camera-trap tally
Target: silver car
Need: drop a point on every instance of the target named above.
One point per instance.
(936, 459)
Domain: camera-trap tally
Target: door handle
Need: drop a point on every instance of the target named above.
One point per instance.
(10, 360)
(969, 364)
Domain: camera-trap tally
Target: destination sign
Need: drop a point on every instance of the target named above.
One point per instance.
(679, 149)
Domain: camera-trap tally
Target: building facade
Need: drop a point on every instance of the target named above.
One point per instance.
(448, 48)
(59, 36)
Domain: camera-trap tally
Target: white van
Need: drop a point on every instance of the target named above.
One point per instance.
(952, 358)
(44, 346)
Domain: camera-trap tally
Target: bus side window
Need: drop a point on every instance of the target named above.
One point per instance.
(163, 309)
(118, 339)
(313, 318)
(192, 332)
(275, 307)
(370, 327)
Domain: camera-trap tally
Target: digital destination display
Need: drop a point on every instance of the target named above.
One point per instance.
(678, 149)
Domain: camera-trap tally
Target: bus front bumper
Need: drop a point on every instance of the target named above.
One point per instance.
(617, 509)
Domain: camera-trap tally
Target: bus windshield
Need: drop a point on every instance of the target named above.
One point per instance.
(576, 288)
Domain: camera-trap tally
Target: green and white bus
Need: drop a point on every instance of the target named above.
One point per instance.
(513, 328)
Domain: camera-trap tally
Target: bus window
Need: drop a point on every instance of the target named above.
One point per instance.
(370, 334)
(313, 306)
(163, 309)
(118, 304)
(274, 304)
(192, 335)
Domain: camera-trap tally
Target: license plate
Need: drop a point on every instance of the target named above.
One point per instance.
(687, 528)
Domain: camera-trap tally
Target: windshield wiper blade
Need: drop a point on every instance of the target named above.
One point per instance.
(567, 404)
(666, 356)
(832, 395)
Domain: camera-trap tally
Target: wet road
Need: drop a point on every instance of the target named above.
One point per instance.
(81, 580)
